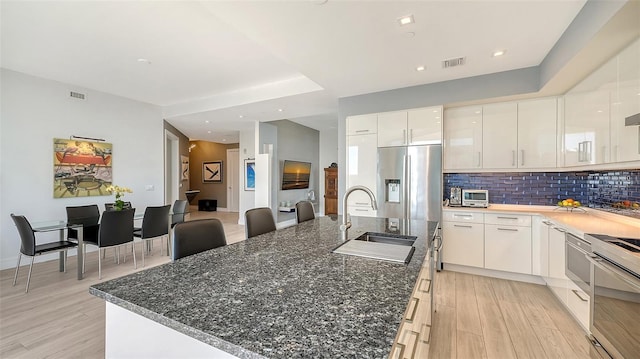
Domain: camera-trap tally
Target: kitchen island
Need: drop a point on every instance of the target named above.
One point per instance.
(278, 295)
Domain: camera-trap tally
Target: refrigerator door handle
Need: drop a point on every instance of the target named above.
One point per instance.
(407, 206)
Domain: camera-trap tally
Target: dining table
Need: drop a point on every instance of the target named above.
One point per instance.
(62, 225)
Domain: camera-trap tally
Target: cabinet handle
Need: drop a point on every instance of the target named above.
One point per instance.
(461, 226)
(521, 157)
(507, 229)
(463, 215)
(639, 140)
(404, 136)
(362, 203)
(513, 218)
(547, 223)
(479, 159)
(559, 229)
(428, 285)
(361, 210)
(513, 158)
(579, 296)
(411, 135)
(360, 131)
(415, 308)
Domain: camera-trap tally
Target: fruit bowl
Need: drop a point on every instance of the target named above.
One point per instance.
(569, 204)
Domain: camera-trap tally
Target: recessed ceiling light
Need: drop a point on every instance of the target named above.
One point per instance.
(420, 68)
(406, 20)
(144, 61)
(208, 131)
(224, 140)
(599, 111)
(437, 117)
(241, 116)
(499, 53)
(280, 110)
(206, 121)
(409, 34)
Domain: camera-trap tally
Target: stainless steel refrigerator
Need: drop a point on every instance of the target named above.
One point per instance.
(410, 182)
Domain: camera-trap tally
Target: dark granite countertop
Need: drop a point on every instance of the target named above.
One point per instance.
(282, 294)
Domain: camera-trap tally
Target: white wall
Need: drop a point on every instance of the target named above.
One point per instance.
(247, 150)
(34, 111)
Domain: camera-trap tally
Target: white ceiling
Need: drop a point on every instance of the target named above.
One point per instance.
(216, 60)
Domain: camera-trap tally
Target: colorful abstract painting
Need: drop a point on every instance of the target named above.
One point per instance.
(81, 168)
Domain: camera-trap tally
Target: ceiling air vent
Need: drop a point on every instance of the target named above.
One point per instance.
(77, 95)
(458, 61)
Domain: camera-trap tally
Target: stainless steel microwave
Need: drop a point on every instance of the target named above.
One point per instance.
(475, 198)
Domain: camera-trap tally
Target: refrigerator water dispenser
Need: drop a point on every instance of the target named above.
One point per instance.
(392, 189)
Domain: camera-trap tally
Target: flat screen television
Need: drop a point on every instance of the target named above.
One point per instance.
(295, 175)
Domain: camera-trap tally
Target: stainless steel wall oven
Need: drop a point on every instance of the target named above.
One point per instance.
(577, 266)
(615, 298)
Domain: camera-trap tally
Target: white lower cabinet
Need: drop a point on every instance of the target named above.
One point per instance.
(463, 243)
(507, 248)
(557, 280)
(578, 304)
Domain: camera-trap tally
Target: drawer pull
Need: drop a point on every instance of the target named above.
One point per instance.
(362, 203)
(415, 309)
(560, 229)
(463, 215)
(397, 352)
(459, 225)
(547, 223)
(361, 210)
(428, 285)
(512, 218)
(579, 296)
(360, 131)
(507, 229)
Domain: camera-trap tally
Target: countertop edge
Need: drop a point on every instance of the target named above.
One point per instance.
(177, 326)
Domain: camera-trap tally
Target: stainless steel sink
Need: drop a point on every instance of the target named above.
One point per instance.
(392, 248)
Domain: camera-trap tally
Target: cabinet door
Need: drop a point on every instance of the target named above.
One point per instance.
(537, 130)
(507, 248)
(557, 280)
(500, 135)
(425, 126)
(463, 243)
(586, 128)
(392, 129)
(578, 304)
(362, 125)
(540, 244)
(362, 153)
(463, 138)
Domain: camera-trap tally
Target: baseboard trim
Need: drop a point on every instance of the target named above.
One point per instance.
(527, 278)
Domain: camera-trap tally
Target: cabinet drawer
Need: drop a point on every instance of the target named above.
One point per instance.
(362, 125)
(362, 211)
(470, 217)
(507, 219)
(578, 303)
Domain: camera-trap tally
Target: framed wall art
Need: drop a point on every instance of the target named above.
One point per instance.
(212, 172)
(184, 160)
(249, 175)
(81, 168)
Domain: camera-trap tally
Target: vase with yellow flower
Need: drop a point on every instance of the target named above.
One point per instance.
(119, 193)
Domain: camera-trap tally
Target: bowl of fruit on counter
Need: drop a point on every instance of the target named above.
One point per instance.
(569, 204)
(626, 205)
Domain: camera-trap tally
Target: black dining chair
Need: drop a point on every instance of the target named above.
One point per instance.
(259, 221)
(304, 211)
(179, 211)
(115, 230)
(88, 216)
(155, 224)
(28, 246)
(197, 236)
(111, 206)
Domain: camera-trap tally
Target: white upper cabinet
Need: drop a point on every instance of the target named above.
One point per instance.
(392, 129)
(625, 101)
(463, 138)
(362, 124)
(362, 153)
(537, 133)
(500, 135)
(425, 126)
(414, 127)
(586, 128)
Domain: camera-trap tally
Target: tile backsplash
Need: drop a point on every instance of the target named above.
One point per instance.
(604, 190)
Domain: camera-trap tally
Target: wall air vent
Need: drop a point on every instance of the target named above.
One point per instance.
(458, 61)
(77, 95)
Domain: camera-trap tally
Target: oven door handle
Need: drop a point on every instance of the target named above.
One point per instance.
(605, 266)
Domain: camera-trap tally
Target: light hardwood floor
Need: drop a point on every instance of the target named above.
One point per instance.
(476, 317)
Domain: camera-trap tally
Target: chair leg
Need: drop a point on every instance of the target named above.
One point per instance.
(15, 277)
(133, 249)
(29, 276)
(64, 263)
(84, 255)
(99, 267)
(144, 241)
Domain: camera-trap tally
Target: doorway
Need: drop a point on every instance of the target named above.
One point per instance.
(233, 174)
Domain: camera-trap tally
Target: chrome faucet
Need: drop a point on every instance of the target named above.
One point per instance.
(346, 219)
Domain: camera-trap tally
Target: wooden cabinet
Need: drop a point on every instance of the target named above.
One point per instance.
(420, 126)
(507, 243)
(463, 138)
(362, 154)
(362, 124)
(330, 191)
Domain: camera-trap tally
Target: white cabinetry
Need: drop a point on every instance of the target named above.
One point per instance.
(540, 245)
(463, 138)
(463, 238)
(362, 153)
(500, 135)
(414, 127)
(537, 133)
(586, 128)
(362, 125)
(507, 243)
